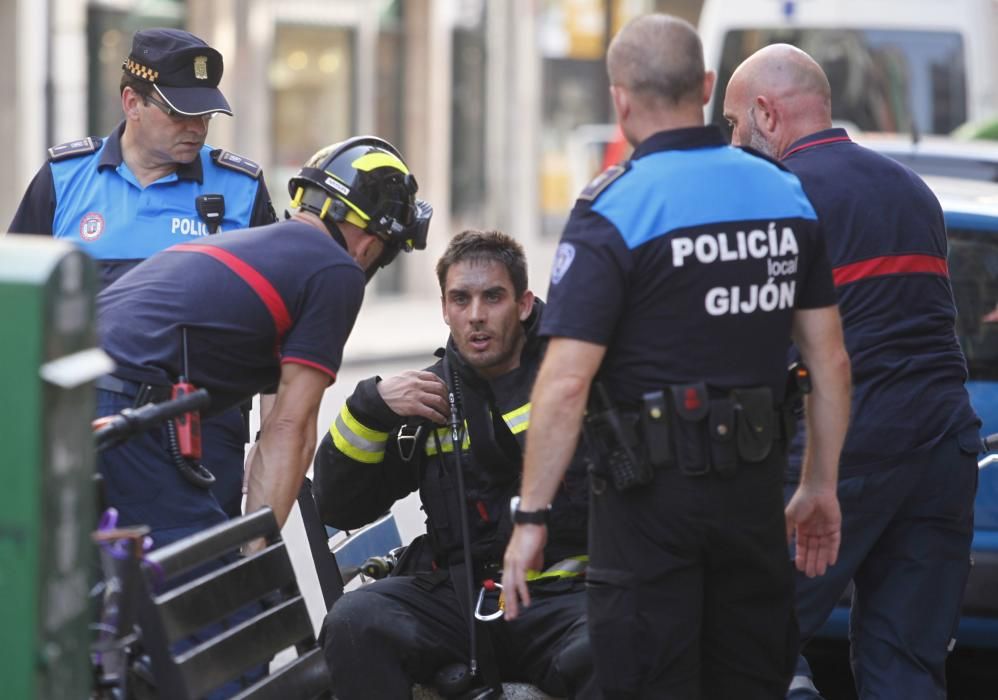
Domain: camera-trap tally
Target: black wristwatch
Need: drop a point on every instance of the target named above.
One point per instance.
(527, 517)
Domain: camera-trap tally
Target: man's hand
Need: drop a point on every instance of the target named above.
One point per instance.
(524, 552)
(815, 517)
(416, 393)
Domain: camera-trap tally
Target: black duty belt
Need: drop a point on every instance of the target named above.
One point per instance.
(140, 392)
(684, 426)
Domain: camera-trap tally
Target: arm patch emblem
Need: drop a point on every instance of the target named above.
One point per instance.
(227, 159)
(72, 149)
(602, 181)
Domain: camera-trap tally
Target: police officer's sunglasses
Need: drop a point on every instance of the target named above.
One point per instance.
(174, 114)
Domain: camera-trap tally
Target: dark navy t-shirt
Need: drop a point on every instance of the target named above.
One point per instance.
(886, 239)
(250, 300)
(688, 264)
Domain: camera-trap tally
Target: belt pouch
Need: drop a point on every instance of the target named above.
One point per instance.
(754, 423)
(691, 406)
(655, 426)
(721, 427)
(615, 440)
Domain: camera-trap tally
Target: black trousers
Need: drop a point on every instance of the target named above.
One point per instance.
(690, 586)
(389, 634)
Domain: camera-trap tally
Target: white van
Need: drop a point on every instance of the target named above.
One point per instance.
(894, 65)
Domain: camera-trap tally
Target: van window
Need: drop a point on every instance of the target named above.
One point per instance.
(879, 78)
(973, 267)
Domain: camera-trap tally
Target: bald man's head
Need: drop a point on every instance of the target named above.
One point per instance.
(776, 96)
(658, 58)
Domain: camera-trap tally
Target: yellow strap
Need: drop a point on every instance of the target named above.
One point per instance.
(566, 568)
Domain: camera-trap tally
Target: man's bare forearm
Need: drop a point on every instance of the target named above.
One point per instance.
(278, 468)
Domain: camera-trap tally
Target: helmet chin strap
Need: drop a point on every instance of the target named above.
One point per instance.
(388, 254)
(335, 232)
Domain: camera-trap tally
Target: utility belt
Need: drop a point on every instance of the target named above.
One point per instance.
(491, 607)
(141, 393)
(685, 427)
(183, 433)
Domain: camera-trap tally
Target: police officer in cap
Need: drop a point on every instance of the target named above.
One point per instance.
(152, 183)
(135, 192)
(694, 263)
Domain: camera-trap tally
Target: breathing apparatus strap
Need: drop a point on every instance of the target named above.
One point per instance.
(481, 659)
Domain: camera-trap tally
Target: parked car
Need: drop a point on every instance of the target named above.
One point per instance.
(937, 155)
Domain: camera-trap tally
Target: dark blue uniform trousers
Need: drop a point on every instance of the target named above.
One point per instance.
(389, 634)
(690, 590)
(906, 534)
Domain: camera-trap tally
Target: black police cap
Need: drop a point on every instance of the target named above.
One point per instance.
(183, 69)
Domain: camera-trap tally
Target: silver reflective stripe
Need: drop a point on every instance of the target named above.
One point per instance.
(802, 683)
(518, 420)
(356, 441)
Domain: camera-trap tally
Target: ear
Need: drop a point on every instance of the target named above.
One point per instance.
(130, 101)
(526, 305)
(770, 117)
(709, 78)
(621, 102)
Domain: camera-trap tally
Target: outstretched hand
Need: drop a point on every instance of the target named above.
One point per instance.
(815, 518)
(416, 393)
(524, 552)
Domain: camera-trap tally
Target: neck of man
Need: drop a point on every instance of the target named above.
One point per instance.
(645, 123)
(803, 115)
(146, 166)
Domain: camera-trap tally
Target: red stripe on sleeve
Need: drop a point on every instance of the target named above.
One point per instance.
(890, 265)
(257, 282)
(309, 363)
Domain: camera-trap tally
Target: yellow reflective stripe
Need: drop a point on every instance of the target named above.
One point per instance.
(379, 159)
(356, 440)
(446, 444)
(518, 419)
(566, 568)
(360, 429)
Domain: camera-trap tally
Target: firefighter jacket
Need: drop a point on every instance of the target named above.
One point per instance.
(372, 457)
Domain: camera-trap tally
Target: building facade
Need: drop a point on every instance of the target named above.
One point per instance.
(499, 106)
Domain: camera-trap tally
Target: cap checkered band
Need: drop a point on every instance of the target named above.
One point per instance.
(140, 71)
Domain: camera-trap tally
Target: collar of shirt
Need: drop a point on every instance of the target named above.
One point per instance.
(110, 157)
(677, 139)
(818, 138)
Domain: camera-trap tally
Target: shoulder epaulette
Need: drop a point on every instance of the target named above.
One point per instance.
(603, 180)
(72, 149)
(227, 159)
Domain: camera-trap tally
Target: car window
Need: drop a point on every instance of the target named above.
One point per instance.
(973, 267)
(880, 78)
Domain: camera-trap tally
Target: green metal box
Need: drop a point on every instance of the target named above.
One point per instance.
(48, 361)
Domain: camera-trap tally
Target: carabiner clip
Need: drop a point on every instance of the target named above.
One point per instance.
(407, 444)
(489, 586)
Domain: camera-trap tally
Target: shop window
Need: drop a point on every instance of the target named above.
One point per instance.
(109, 39)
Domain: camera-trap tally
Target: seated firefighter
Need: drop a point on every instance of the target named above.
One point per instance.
(392, 437)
